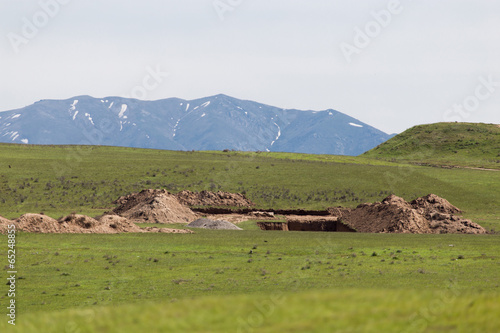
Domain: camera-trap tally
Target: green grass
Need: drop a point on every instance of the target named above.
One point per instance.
(209, 280)
(327, 311)
(121, 274)
(59, 180)
(448, 144)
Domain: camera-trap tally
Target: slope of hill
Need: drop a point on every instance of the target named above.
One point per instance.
(444, 144)
(212, 123)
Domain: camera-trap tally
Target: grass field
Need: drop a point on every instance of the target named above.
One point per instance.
(61, 180)
(209, 282)
(212, 272)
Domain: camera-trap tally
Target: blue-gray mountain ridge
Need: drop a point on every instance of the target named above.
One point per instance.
(211, 123)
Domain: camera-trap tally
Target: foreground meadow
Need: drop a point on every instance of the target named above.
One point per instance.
(262, 281)
(250, 280)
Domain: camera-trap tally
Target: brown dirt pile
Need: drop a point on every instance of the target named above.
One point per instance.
(426, 215)
(75, 223)
(153, 206)
(207, 198)
(432, 203)
(121, 224)
(4, 223)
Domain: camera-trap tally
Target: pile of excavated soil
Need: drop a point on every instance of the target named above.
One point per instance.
(431, 203)
(121, 224)
(153, 206)
(4, 223)
(37, 223)
(213, 224)
(75, 223)
(426, 215)
(207, 198)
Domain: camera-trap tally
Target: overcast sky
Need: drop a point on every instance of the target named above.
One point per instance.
(392, 64)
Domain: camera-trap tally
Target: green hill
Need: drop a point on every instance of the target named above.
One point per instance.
(444, 144)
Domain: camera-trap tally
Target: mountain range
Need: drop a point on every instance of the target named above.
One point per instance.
(211, 123)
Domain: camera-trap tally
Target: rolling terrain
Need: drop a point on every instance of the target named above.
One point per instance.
(58, 180)
(250, 280)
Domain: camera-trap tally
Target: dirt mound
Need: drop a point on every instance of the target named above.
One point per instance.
(385, 217)
(37, 223)
(213, 224)
(4, 223)
(426, 215)
(207, 198)
(121, 224)
(82, 224)
(76, 223)
(153, 206)
(431, 203)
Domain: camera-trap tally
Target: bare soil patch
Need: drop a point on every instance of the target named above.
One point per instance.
(207, 198)
(75, 223)
(233, 218)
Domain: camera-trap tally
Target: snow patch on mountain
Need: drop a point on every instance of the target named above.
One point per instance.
(175, 127)
(122, 111)
(89, 118)
(278, 136)
(355, 125)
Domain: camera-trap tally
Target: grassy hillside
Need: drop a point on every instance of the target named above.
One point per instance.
(449, 144)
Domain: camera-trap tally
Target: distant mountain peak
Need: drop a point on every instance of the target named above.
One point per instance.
(209, 123)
